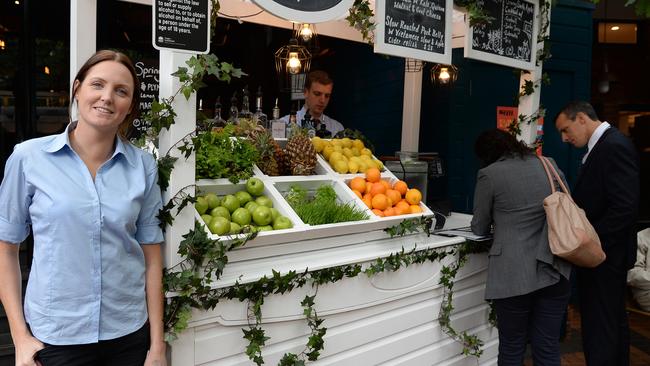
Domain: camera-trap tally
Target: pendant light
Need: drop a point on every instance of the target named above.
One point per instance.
(443, 75)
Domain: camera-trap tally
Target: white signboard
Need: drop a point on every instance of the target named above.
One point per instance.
(306, 11)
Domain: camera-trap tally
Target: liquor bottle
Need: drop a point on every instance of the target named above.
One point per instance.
(203, 123)
(323, 132)
(292, 126)
(259, 117)
(245, 105)
(308, 124)
(278, 127)
(234, 112)
(218, 121)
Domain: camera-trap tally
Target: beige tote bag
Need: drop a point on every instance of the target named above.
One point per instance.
(570, 235)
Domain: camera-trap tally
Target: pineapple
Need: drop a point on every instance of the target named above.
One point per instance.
(271, 163)
(300, 154)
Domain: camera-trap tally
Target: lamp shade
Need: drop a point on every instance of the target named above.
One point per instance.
(443, 75)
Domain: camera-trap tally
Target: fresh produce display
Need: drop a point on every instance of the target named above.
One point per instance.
(355, 135)
(346, 155)
(299, 153)
(242, 211)
(272, 161)
(384, 198)
(220, 156)
(323, 207)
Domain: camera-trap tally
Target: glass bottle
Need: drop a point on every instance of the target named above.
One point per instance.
(234, 112)
(245, 105)
(292, 125)
(259, 117)
(309, 125)
(218, 121)
(323, 132)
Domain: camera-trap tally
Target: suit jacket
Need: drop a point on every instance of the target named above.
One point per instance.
(509, 195)
(607, 188)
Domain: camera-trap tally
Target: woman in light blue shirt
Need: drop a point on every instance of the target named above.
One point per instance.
(94, 295)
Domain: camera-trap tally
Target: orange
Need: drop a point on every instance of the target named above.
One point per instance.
(377, 188)
(413, 196)
(357, 193)
(368, 187)
(402, 208)
(380, 201)
(390, 212)
(393, 195)
(401, 187)
(367, 199)
(373, 175)
(385, 183)
(378, 212)
(358, 184)
(416, 209)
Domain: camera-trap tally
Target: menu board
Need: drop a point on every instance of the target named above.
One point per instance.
(417, 29)
(306, 11)
(147, 71)
(510, 39)
(181, 25)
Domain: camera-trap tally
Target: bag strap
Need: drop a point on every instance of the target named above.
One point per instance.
(548, 174)
(548, 167)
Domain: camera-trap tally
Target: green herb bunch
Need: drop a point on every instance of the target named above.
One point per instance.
(323, 208)
(220, 156)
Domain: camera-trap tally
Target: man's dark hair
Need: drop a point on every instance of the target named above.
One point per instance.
(572, 109)
(493, 144)
(317, 76)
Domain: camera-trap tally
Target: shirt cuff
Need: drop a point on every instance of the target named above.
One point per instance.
(149, 234)
(13, 233)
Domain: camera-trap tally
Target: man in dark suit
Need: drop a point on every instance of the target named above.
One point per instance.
(607, 188)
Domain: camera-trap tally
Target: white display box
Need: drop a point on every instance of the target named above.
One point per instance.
(222, 187)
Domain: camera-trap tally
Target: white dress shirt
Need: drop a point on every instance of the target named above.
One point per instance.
(594, 138)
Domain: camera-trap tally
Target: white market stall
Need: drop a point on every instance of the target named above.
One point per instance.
(387, 318)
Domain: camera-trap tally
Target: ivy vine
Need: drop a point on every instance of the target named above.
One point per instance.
(361, 18)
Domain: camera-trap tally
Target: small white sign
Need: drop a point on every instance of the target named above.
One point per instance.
(278, 129)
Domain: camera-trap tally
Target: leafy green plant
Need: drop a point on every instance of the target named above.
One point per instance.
(360, 18)
(220, 156)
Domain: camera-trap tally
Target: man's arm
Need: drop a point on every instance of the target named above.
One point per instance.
(11, 296)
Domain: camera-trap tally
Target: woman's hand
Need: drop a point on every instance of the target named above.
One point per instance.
(26, 348)
(157, 355)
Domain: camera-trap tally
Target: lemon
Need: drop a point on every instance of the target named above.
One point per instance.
(379, 164)
(355, 151)
(335, 156)
(318, 144)
(358, 144)
(341, 166)
(327, 151)
(353, 167)
(346, 142)
(348, 152)
(362, 166)
(366, 151)
(336, 142)
(365, 158)
(338, 148)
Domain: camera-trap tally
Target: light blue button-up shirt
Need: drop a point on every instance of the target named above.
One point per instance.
(87, 281)
(331, 124)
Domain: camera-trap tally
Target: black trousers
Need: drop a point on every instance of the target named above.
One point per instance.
(129, 350)
(537, 318)
(605, 328)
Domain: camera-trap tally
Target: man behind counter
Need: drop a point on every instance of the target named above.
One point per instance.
(318, 90)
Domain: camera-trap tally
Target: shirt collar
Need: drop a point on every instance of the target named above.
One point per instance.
(596, 135)
(63, 139)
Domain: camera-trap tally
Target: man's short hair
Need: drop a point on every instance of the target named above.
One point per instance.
(573, 108)
(317, 76)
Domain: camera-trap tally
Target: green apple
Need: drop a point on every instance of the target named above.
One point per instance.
(262, 215)
(282, 222)
(241, 216)
(249, 228)
(275, 213)
(243, 197)
(264, 201)
(206, 218)
(219, 225)
(201, 205)
(254, 186)
(220, 211)
(212, 199)
(230, 202)
(250, 206)
(265, 228)
(234, 228)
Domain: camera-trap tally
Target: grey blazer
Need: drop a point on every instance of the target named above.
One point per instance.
(509, 196)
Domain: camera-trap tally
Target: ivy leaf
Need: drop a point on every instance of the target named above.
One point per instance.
(165, 166)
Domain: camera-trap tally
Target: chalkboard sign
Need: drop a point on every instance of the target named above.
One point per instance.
(510, 39)
(418, 29)
(306, 11)
(181, 25)
(147, 72)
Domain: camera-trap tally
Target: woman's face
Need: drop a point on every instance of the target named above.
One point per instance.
(105, 96)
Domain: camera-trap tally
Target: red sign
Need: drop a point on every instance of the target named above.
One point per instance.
(505, 117)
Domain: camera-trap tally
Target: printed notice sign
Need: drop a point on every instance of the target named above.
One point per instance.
(181, 25)
(505, 117)
(418, 29)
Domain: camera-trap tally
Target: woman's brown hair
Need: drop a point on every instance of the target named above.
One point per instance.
(110, 55)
